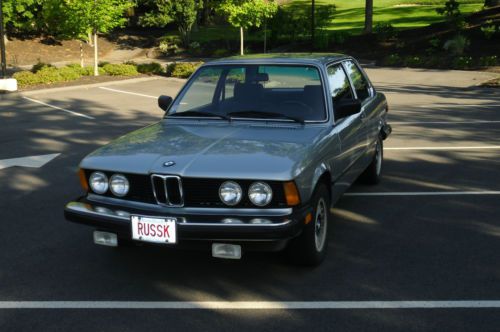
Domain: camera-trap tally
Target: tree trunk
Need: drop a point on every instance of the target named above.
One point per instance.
(3, 60)
(368, 16)
(242, 52)
(313, 23)
(265, 36)
(82, 64)
(96, 56)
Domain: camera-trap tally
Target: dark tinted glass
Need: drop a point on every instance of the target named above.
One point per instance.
(358, 80)
(339, 85)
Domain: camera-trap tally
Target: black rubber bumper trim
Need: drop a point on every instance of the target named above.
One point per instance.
(197, 232)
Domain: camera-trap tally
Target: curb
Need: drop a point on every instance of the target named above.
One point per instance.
(95, 85)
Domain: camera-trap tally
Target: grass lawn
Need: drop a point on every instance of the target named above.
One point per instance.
(402, 14)
(350, 14)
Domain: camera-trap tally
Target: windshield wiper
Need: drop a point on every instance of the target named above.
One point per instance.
(264, 114)
(200, 113)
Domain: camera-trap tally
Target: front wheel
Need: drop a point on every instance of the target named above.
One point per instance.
(309, 248)
(372, 173)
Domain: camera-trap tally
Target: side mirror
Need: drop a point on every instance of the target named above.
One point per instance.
(347, 108)
(164, 102)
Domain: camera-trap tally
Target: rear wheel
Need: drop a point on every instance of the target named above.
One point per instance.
(309, 248)
(372, 173)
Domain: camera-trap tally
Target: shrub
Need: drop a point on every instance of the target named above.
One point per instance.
(47, 75)
(182, 69)
(462, 62)
(25, 78)
(385, 31)
(120, 70)
(488, 61)
(393, 60)
(39, 66)
(163, 47)
(456, 45)
(322, 40)
(338, 37)
(489, 29)
(220, 53)
(413, 61)
(150, 68)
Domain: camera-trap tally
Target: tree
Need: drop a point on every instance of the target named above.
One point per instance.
(22, 15)
(368, 16)
(182, 12)
(159, 14)
(247, 13)
(90, 17)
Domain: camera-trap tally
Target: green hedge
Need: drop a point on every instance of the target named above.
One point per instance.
(46, 75)
(182, 69)
(120, 69)
(150, 68)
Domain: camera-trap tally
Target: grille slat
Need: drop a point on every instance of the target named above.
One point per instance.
(167, 189)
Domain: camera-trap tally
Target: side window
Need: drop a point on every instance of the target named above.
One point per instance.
(339, 85)
(358, 80)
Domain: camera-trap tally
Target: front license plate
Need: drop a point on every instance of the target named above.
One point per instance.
(156, 230)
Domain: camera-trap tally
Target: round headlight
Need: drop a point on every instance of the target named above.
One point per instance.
(98, 182)
(260, 193)
(119, 185)
(230, 193)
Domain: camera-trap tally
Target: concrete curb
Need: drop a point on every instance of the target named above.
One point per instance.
(95, 85)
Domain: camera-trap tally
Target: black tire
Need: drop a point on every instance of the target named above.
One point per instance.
(373, 172)
(310, 247)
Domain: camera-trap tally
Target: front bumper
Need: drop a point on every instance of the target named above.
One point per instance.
(249, 225)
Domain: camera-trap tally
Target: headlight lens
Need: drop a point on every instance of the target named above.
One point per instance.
(230, 193)
(119, 185)
(260, 193)
(98, 182)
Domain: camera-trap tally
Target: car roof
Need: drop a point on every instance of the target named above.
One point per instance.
(279, 58)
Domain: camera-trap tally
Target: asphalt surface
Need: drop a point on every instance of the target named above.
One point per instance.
(381, 248)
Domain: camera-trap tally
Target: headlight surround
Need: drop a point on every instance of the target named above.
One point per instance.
(230, 193)
(260, 193)
(119, 185)
(98, 182)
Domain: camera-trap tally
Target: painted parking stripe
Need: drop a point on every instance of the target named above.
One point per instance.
(59, 108)
(128, 92)
(485, 147)
(458, 105)
(443, 122)
(425, 193)
(251, 305)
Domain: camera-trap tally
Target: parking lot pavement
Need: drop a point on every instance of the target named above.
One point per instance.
(429, 232)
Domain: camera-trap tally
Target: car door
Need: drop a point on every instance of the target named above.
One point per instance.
(349, 129)
(365, 94)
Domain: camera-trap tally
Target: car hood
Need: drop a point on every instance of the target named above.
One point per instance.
(211, 150)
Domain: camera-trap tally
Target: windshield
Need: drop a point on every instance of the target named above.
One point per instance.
(254, 91)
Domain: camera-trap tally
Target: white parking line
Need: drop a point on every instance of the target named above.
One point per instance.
(59, 108)
(443, 122)
(459, 105)
(250, 305)
(425, 193)
(128, 92)
(486, 147)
